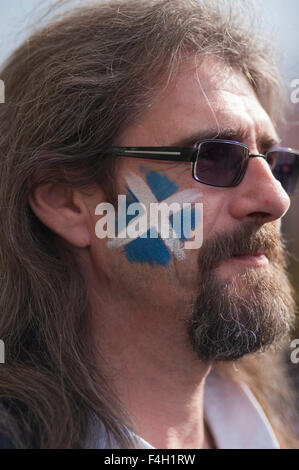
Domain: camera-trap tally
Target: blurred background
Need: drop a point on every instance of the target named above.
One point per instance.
(279, 18)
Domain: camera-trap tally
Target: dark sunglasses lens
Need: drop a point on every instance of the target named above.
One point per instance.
(221, 164)
(285, 168)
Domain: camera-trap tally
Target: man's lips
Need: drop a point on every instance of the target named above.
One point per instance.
(257, 259)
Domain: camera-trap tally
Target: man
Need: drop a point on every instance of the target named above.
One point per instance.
(133, 342)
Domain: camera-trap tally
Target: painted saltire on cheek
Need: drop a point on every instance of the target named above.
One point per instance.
(151, 247)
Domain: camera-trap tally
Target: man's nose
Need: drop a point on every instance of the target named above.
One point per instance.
(259, 196)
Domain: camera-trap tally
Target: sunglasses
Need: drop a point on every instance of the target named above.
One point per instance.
(221, 163)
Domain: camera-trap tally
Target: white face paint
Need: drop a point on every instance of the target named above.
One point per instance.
(155, 212)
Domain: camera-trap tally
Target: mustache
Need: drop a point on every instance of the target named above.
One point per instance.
(246, 240)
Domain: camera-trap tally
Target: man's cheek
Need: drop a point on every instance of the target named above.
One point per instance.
(155, 219)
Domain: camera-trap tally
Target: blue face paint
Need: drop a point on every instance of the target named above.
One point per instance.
(161, 186)
(153, 249)
(147, 250)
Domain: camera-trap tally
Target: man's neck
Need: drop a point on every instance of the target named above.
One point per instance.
(157, 378)
(164, 413)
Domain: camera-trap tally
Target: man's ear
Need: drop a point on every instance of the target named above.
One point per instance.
(64, 211)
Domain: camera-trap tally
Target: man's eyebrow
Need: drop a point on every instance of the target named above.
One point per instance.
(264, 142)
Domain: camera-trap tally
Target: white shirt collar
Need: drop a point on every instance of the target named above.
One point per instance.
(234, 416)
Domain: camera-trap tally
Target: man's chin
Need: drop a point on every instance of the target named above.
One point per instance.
(241, 312)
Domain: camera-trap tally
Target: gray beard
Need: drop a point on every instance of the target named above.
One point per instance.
(253, 311)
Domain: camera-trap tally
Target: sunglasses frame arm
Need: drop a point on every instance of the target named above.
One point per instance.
(182, 154)
(174, 154)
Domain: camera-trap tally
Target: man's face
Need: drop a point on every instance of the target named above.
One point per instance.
(231, 295)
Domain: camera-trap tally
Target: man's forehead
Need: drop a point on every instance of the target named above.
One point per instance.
(207, 76)
(206, 99)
